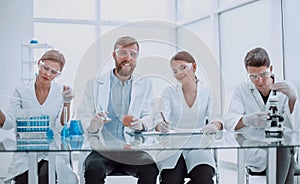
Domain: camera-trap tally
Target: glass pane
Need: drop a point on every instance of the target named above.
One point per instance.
(192, 9)
(65, 9)
(203, 29)
(292, 40)
(131, 10)
(198, 39)
(241, 31)
(72, 40)
(228, 2)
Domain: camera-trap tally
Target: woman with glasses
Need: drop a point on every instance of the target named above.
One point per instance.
(250, 107)
(46, 98)
(186, 106)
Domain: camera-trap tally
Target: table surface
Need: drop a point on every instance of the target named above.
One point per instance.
(181, 140)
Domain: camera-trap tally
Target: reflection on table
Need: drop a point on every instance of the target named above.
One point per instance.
(245, 139)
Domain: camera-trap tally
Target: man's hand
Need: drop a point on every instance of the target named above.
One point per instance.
(97, 122)
(136, 124)
(257, 119)
(132, 122)
(286, 89)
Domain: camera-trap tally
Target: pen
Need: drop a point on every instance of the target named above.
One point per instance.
(163, 117)
(165, 127)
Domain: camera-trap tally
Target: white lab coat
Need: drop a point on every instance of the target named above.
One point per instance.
(26, 100)
(181, 116)
(97, 94)
(246, 99)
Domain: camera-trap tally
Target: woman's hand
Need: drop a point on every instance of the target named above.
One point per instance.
(67, 94)
(162, 127)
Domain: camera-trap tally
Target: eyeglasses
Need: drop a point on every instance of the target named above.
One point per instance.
(182, 67)
(127, 52)
(254, 77)
(47, 68)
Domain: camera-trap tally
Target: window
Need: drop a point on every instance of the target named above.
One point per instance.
(65, 9)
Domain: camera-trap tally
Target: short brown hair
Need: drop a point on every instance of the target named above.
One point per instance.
(184, 56)
(126, 40)
(257, 57)
(56, 56)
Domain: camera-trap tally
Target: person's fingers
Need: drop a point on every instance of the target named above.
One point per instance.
(134, 123)
(98, 117)
(264, 117)
(161, 127)
(127, 119)
(66, 88)
(210, 128)
(165, 126)
(262, 114)
(135, 119)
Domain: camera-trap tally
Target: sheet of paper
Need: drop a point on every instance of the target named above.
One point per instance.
(171, 132)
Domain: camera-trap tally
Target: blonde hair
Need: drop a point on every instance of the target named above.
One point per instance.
(55, 56)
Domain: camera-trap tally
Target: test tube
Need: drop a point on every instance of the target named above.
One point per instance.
(66, 116)
(105, 118)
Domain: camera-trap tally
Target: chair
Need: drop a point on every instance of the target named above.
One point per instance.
(263, 173)
(122, 173)
(251, 173)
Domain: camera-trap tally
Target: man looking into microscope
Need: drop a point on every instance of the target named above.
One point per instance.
(249, 108)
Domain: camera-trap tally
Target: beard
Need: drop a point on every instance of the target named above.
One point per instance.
(124, 72)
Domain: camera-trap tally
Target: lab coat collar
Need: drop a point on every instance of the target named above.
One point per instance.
(257, 96)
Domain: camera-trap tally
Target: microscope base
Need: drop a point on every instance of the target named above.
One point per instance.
(274, 132)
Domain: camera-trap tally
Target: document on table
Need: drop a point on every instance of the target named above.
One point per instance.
(171, 132)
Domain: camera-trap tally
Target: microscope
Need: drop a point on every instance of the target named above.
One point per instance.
(275, 127)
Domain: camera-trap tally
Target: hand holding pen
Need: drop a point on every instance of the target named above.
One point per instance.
(162, 126)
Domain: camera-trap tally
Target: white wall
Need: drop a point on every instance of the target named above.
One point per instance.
(157, 46)
(16, 20)
(242, 30)
(292, 40)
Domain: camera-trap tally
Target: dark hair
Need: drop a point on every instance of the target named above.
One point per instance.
(55, 56)
(257, 57)
(184, 56)
(126, 40)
